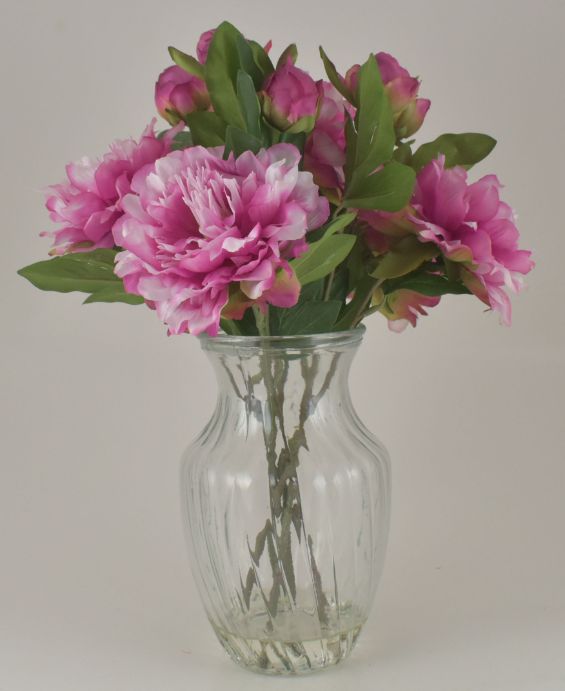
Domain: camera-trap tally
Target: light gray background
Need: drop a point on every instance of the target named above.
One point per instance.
(97, 403)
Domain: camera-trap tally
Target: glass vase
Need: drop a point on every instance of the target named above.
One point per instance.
(286, 498)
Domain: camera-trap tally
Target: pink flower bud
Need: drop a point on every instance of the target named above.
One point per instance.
(290, 98)
(205, 40)
(324, 154)
(178, 93)
(408, 110)
(204, 45)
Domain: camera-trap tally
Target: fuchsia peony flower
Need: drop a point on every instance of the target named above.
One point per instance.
(290, 95)
(178, 93)
(89, 204)
(324, 154)
(199, 229)
(408, 110)
(472, 226)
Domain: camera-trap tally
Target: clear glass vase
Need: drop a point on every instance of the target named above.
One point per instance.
(286, 501)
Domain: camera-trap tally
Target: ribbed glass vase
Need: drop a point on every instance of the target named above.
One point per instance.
(286, 500)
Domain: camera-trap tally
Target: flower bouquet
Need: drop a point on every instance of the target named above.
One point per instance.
(272, 216)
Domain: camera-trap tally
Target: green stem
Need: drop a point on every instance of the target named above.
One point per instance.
(337, 211)
(262, 320)
(284, 491)
(331, 277)
(328, 288)
(230, 327)
(355, 311)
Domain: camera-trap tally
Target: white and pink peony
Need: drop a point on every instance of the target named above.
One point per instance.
(198, 228)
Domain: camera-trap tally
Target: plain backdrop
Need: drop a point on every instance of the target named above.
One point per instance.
(98, 404)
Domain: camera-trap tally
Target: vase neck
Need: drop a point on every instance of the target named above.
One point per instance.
(292, 375)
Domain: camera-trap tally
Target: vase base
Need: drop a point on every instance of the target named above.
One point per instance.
(294, 653)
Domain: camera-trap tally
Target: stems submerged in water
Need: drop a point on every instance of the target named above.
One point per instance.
(286, 515)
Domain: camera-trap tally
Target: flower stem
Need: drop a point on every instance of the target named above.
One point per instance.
(283, 447)
(262, 320)
(328, 287)
(355, 310)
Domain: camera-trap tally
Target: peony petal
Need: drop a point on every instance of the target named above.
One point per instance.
(81, 174)
(483, 199)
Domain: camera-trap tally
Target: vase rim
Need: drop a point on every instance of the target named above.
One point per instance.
(226, 342)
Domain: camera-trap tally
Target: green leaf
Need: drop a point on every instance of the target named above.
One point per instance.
(114, 294)
(304, 124)
(310, 292)
(247, 324)
(375, 137)
(459, 149)
(239, 141)
(230, 327)
(354, 310)
(221, 70)
(452, 269)
(207, 129)
(333, 226)
(262, 59)
(249, 103)
(389, 189)
(339, 223)
(298, 139)
(322, 257)
(309, 317)
(247, 62)
(403, 153)
(182, 140)
(339, 289)
(87, 272)
(291, 52)
(187, 62)
(408, 254)
(426, 284)
(357, 264)
(335, 78)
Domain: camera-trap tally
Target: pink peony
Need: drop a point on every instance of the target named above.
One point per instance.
(89, 204)
(290, 95)
(324, 154)
(408, 110)
(472, 226)
(199, 229)
(178, 93)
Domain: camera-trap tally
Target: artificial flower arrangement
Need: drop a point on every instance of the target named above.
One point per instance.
(280, 206)
(277, 204)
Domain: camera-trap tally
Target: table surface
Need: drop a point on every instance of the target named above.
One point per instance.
(94, 645)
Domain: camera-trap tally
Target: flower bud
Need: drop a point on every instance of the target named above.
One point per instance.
(205, 40)
(290, 99)
(408, 110)
(204, 45)
(178, 93)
